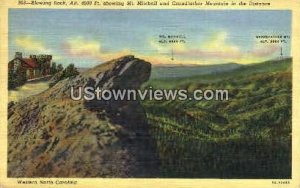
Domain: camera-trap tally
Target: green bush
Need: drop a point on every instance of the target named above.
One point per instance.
(16, 78)
(69, 71)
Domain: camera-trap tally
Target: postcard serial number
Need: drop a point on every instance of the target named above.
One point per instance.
(281, 182)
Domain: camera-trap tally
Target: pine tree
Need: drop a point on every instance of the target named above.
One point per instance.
(12, 81)
(53, 69)
(21, 77)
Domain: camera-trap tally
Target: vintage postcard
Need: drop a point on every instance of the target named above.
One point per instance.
(149, 93)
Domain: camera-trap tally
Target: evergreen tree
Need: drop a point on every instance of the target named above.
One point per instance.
(41, 59)
(12, 81)
(53, 69)
(70, 71)
(21, 77)
(60, 68)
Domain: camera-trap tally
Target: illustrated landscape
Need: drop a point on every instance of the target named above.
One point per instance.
(247, 136)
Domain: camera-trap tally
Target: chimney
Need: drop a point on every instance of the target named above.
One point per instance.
(18, 55)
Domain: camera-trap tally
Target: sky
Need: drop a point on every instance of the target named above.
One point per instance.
(89, 37)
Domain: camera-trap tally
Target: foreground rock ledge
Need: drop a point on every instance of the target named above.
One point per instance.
(51, 135)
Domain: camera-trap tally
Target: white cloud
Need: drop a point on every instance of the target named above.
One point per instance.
(31, 45)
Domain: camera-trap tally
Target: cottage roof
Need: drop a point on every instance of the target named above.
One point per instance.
(30, 62)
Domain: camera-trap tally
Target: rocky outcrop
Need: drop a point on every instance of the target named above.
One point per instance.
(51, 135)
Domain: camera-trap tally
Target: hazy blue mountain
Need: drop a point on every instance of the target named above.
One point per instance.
(180, 71)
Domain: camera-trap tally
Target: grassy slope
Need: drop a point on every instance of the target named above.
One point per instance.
(247, 136)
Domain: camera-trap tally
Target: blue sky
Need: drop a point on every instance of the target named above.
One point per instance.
(89, 37)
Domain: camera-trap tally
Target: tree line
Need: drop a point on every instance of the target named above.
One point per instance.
(18, 77)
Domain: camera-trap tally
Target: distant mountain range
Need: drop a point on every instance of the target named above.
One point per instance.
(161, 71)
(179, 71)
